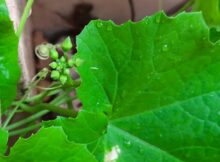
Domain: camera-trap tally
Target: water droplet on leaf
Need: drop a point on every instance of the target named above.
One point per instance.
(165, 48)
(94, 68)
(99, 24)
(211, 95)
(127, 143)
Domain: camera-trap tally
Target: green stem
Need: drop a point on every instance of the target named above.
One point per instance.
(70, 104)
(186, 6)
(24, 17)
(12, 113)
(61, 98)
(27, 120)
(42, 95)
(51, 107)
(72, 83)
(24, 130)
(46, 108)
(56, 109)
(27, 108)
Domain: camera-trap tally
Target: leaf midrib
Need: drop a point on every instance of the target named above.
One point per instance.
(167, 107)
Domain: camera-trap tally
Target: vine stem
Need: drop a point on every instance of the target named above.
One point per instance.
(32, 84)
(24, 130)
(52, 108)
(27, 120)
(11, 114)
(41, 108)
(24, 17)
(185, 6)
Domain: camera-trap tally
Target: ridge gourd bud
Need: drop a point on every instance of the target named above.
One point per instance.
(67, 44)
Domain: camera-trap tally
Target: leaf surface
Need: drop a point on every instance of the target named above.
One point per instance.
(85, 128)
(49, 145)
(9, 68)
(159, 83)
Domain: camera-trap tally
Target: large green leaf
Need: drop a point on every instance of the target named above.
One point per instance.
(9, 68)
(85, 128)
(3, 140)
(49, 145)
(159, 83)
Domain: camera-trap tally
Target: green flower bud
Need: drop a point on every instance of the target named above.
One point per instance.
(53, 65)
(66, 71)
(71, 63)
(54, 54)
(55, 74)
(78, 62)
(59, 67)
(67, 44)
(62, 59)
(63, 79)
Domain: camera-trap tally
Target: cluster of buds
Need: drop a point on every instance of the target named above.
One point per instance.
(61, 65)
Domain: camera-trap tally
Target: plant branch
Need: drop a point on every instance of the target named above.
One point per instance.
(187, 5)
(27, 120)
(61, 98)
(37, 98)
(46, 106)
(55, 109)
(42, 108)
(24, 130)
(32, 84)
(24, 17)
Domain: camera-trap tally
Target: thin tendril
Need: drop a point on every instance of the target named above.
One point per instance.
(53, 88)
